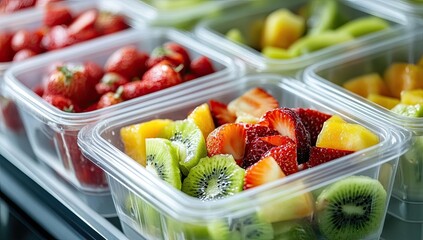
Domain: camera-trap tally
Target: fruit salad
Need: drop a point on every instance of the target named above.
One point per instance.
(289, 33)
(220, 150)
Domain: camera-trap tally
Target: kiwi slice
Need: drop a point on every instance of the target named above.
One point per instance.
(251, 227)
(189, 141)
(162, 160)
(351, 208)
(294, 230)
(214, 178)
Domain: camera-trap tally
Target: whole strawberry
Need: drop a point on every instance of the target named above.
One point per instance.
(108, 23)
(110, 99)
(110, 83)
(57, 16)
(201, 66)
(162, 53)
(6, 52)
(178, 48)
(24, 39)
(62, 103)
(127, 62)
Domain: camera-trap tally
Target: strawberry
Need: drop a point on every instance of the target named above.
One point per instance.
(201, 66)
(161, 76)
(23, 55)
(90, 108)
(110, 83)
(108, 23)
(110, 99)
(62, 103)
(175, 47)
(24, 39)
(56, 38)
(259, 146)
(46, 3)
(286, 156)
(220, 113)
(39, 90)
(127, 62)
(83, 22)
(9, 6)
(320, 155)
(6, 52)
(57, 16)
(11, 117)
(254, 102)
(313, 121)
(160, 53)
(94, 71)
(189, 76)
(288, 123)
(227, 139)
(264, 171)
(256, 130)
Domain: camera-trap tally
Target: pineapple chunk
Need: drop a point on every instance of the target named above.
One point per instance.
(386, 102)
(247, 119)
(336, 118)
(202, 117)
(345, 136)
(133, 137)
(412, 97)
(282, 28)
(367, 84)
(403, 76)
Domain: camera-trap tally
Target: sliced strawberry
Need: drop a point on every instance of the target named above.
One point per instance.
(220, 113)
(256, 130)
(313, 121)
(254, 102)
(127, 62)
(255, 150)
(83, 22)
(201, 66)
(62, 103)
(320, 155)
(110, 83)
(286, 156)
(108, 23)
(264, 171)
(227, 139)
(57, 16)
(288, 123)
(23, 55)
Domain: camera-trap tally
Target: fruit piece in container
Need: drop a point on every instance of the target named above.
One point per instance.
(351, 208)
(311, 43)
(133, 137)
(320, 155)
(386, 102)
(364, 85)
(264, 171)
(277, 53)
(403, 76)
(313, 121)
(345, 136)
(296, 229)
(321, 15)
(220, 113)
(282, 28)
(247, 119)
(363, 26)
(412, 97)
(408, 110)
(250, 226)
(236, 35)
(202, 117)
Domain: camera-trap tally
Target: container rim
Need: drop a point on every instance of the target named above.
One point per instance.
(311, 77)
(27, 97)
(125, 170)
(401, 5)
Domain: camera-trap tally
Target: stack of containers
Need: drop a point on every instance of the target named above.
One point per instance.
(150, 208)
(249, 21)
(407, 195)
(53, 133)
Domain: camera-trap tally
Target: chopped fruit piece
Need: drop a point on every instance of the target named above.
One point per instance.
(336, 118)
(320, 155)
(202, 117)
(412, 97)
(345, 136)
(264, 171)
(247, 119)
(408, 110)
(201, 66)
(322, 15)
(282, 28)
(254, 131)
(235, 35)
(255, 150)
(362, 26)
(229, 138)
(277, 53)
(287, 122)
(386, 102)
(220, 113)
(313, 122)
(254, 102)
(367, 84)
(286, 156)
(403, 76)
(133, 137)
(311, 43)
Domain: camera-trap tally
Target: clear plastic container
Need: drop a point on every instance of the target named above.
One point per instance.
(150, 208)
(53, 133)
(397, 229)
(248, 20)
(331, 74)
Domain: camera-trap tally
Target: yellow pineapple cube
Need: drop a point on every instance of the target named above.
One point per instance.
(202, 117)
(403, 76)
(133, 137)
(412, 97)
(247, 119)
(336, 118)
(367, 84)
(386, 102)
(345, 136)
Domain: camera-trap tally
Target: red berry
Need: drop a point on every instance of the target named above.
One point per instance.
(320, 155)
(313, 121)
(57, 16)
(23, 55)
(127, 62)
(201, 66)
(220, 113)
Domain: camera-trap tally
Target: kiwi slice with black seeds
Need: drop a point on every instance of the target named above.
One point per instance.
(352, 208)
(188, 139)
(214, 178)
(294, 230)
(162, 160)
(251, 227)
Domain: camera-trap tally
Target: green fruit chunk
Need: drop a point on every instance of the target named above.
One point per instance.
(188, 139)
(235, 35)
(363, 26)
(175, 4)
(294, 230)
(313, 43)
(408, 110)
(277, 53)
(214, 178)
(214, 230)
(323, 16)
(251, 227)
(162, 160)
(352, 208)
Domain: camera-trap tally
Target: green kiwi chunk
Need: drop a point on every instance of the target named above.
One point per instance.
(322, 16)
(351, 208)
(251, 227)
(214, 178)
(213, 230)
(363, 26)
(162, 160)
(408, 110)
(294, 230)
(189, 142)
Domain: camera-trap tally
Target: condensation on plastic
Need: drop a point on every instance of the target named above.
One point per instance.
(100, 142)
